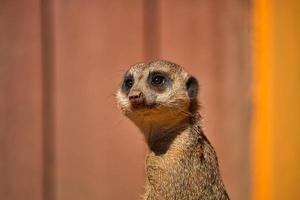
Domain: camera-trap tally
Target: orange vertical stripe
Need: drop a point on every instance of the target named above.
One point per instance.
(263, 141)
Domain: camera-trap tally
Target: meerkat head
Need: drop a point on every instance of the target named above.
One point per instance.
(157, 94)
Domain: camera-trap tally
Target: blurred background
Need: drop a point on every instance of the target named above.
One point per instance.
(61, 134)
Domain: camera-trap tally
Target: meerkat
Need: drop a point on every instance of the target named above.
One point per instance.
(161, 99)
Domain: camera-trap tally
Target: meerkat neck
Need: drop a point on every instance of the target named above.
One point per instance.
(160, 137)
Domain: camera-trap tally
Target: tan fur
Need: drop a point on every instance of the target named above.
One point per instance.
(181, 163)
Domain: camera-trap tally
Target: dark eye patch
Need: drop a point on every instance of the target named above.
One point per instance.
(158, 80)
(127, 83)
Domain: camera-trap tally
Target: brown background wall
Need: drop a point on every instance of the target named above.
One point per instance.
(61, 135)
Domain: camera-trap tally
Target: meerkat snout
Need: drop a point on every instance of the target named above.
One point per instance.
(136, 98)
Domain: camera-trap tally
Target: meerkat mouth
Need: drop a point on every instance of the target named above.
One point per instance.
(143, 107)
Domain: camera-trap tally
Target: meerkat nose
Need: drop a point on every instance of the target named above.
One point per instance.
(136, 98)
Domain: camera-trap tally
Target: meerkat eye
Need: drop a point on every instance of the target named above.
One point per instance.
(158, 80)
(128, 83)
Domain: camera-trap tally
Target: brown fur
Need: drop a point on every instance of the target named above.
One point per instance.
(181, 163)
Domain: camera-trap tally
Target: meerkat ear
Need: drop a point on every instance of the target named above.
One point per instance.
(192, 87)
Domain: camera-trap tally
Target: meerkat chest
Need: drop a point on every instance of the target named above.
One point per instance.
(164, 172)
(174, 166)
(170, 177)
(171, 168)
